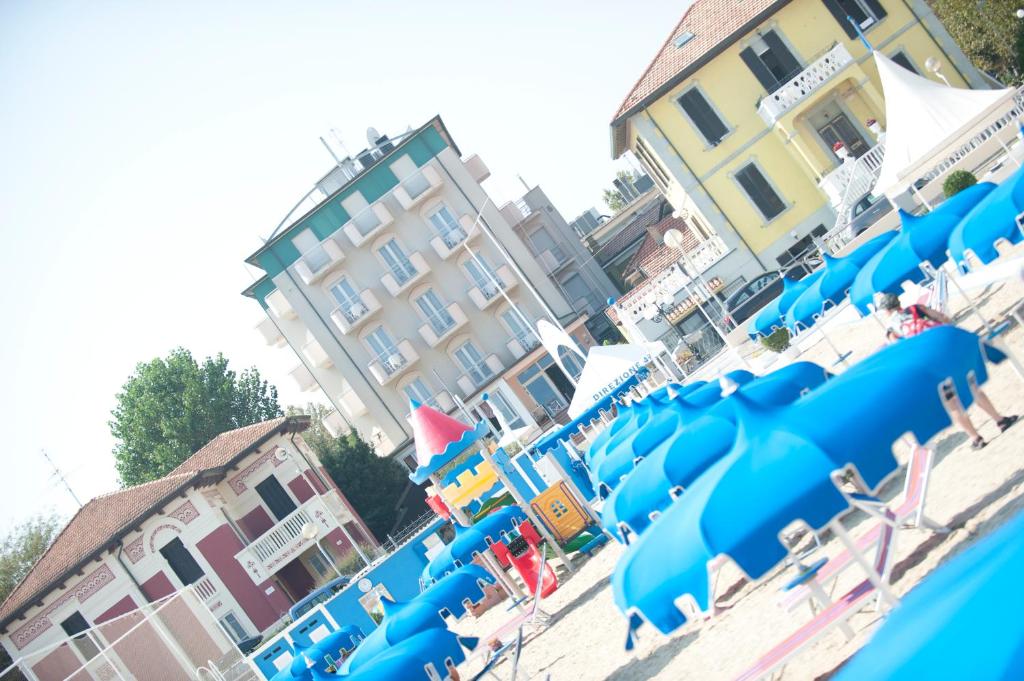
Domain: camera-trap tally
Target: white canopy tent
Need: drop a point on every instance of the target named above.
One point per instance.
(926, 121)
(607, 366)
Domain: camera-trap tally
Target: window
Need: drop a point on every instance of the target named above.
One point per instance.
(349, 302)
(864, 12)
(319, 565)
(522, 332)
(770, 61)
(313, 254)
(700, 228)
(434, 312)
(234, 627)
(703, 116)
(501, 403)
(472, 362)
(903, 60)
(181, 561)
(447, 226)
(482, 275)
(381, 344)
(652, 164)
(418, 390)
(276, 498)
(76, 626)
(760, 192)
(397, 262)
(576, 290)
(801, 247)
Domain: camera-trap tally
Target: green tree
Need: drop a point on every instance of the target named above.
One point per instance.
(613, 198)
(19, 551)
(379, 488)
(989, 33)
(170, 407)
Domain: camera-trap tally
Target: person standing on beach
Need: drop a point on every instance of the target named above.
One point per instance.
(914, 319)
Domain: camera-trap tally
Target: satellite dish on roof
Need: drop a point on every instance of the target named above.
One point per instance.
(372, 136)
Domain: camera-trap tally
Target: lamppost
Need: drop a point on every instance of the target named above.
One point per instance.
(310, 532)
(935, 66)
(660, 312)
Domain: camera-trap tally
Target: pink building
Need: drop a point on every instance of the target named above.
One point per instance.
(229, 520)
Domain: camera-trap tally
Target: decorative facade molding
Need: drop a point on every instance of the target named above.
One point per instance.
(135, 550)
(82, 591)
(237, 483)
(185, 513)
(157, 530)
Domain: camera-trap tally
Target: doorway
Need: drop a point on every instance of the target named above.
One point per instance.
(276, 499)
(833, 124)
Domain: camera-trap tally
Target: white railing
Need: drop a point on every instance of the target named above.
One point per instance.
(860, 179)
(799, 88)
(707, 253)
(204, 588)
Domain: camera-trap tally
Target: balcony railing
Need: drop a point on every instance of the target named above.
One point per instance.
(389, 365)
(316, 355)
(804, 84)
(707, 253)
(351, 403)
(485, 295)
(280, 306)
(348, 316)
(441, 325)
(417, 186)
(283, 542)
(522, 344)
(367, 223)
(319, 260)
(479, 375)
(303, 378)
(449, 242)
(400, 278)
(335, 424)
(553, 259)
(270, 333)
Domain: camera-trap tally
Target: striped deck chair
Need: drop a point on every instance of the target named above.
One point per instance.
(834, 615)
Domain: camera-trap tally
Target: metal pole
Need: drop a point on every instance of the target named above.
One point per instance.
(920, 196)
(876, 579)
(328, 558)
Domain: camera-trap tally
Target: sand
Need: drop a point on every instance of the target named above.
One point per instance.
(973, 492)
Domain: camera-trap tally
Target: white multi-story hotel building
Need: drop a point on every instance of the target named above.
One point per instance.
(396, 278)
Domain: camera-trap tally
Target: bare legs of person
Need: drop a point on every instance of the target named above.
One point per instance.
(960, 418)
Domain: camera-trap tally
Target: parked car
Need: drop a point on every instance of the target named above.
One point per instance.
(315, 598)
(868, 210)
(743, 304)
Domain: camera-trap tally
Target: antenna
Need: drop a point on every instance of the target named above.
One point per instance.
(57, 472)
(337, 138)
(372, 136)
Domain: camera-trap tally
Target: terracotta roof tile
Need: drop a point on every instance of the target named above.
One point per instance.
(104, 518)
(711, 22)
(629, 234)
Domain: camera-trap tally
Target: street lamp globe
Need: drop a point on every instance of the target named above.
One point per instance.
(674, 238)
(310, 531)
(1020, 13)
(932, 64)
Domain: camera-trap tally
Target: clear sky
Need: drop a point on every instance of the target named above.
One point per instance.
(146, 147)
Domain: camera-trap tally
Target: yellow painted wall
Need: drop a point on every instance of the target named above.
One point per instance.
(810, 30)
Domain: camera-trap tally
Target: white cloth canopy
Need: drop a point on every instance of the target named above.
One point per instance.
(925, 118)
(607, 366)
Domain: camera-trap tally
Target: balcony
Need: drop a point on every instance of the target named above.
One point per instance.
(416, 187)
(316, 355)
(399, 279)
(484, 296)
(303, 378)
(774, 105)
(335, 424)
(283, 542)
(481, 375)
(367, 223)
(351, 404)
(348, 317)
(270, 333)
(553, 259)
(476, 168)
(446, 245)
(319, 260)
(520, 346)
(279, 305)
(439, 327)
(386, 369)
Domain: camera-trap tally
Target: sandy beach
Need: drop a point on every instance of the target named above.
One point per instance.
(972, 492)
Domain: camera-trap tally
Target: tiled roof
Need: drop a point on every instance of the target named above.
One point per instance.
(105, 518)
(653, 256)
(712, 23)
(629, 234)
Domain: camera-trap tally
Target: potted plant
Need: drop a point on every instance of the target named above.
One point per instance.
(777, 341)
(839, 149)
(957, 181)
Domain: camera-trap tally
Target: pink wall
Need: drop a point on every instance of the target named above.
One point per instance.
(315, 481)
(56, 665)
(126, 604)
(301, 489)
(339, 544)
(255, 522)
(297, 578)
(142, 651)
(157, 587)
(219, 549)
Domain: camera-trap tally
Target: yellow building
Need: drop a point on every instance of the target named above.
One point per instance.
(737, 115)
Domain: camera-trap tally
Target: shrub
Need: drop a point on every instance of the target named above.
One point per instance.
(957, 181)
(777, 341)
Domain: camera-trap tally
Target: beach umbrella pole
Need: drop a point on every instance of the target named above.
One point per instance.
(927, 268)
(884, 590)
